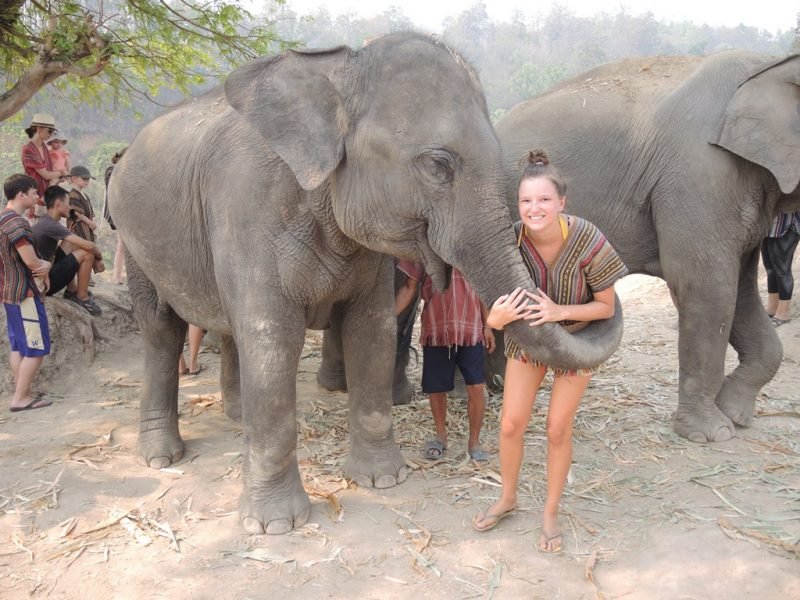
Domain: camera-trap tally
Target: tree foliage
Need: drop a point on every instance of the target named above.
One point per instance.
(95, 50)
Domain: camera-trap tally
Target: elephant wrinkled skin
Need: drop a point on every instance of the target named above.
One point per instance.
(275, 204)
(682, 163)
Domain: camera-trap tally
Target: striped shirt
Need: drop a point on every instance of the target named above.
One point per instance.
(587, 263)
(449, 318)
(16, 280)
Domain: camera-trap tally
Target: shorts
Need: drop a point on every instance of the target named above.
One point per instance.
(64, 270)
(439, 366)
(28, 330)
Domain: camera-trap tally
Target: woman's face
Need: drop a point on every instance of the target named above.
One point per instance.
(539, 204)
(45, 132)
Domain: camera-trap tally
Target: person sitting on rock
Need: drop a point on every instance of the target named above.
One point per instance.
(70, 254)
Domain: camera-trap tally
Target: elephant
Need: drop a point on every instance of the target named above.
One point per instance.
(275, 203)
(682, 162)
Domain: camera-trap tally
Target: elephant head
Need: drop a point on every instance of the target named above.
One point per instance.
(397, 135)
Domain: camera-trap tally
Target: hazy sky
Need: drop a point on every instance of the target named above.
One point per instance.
(764, 14)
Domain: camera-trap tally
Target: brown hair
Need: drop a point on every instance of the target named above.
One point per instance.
(535, 164)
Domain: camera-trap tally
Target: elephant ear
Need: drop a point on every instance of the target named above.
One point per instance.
(293, 103)
(762, 121)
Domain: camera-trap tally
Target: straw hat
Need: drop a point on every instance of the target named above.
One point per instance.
(40, 120)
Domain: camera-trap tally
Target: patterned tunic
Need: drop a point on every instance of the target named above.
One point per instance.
(16, 280)
(80, 203)
(587, 263)
(32, 159)
(449, 318)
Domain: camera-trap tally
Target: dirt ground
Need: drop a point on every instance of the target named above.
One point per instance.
(646, 514)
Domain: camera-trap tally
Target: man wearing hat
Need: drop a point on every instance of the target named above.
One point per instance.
(36, 159)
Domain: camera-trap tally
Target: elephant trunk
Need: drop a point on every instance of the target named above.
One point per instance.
(491, 262)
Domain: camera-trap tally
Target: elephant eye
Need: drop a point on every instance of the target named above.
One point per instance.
(437, 166)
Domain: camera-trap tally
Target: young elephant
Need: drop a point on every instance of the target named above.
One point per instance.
(276, 203)
(683, 162)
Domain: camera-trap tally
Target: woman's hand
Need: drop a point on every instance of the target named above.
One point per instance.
(508, 308)
(544, 310)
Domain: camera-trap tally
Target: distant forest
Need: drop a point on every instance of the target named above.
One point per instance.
(515, 60)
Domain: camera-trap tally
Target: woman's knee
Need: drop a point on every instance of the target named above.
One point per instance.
(559, 434)
(512, 427)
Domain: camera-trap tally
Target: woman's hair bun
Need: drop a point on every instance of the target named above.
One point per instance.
(538, 156)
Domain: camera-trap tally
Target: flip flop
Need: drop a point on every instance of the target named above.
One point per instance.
(434, 449)
(478, 454)
(544, 542)
(200, 369)
(37, 402)
(494, 519)
(778, 322)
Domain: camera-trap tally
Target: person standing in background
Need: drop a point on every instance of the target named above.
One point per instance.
(777, 253)
(36, 160)
(119, 253)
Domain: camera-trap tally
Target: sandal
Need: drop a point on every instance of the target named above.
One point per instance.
(493, 519)
(187, 373)
(434, 449)
(478, 454)
(37, 402)
(545, 541)
(778, 322)
(88, 304)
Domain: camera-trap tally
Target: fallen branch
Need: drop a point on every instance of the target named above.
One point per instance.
(724, 524)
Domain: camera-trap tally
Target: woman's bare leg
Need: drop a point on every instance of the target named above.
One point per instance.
(519, 392)
(564, 400)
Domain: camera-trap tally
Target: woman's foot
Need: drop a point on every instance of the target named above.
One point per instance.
(489, 518)
(550, 539)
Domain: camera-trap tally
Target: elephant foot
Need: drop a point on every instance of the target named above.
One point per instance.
(402, 391)
(703, 427)
(331, 379)
(379, 468)
(737, 401)
(159, 448)
(276, 509)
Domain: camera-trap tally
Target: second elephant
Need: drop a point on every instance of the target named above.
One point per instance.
(682, 163)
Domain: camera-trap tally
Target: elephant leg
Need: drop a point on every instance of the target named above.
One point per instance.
(273, 500)
(331, 373)
(369, 333)
(759, 348)
(229, 379)
(705, 316)
(163, 333)
(402, 390)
